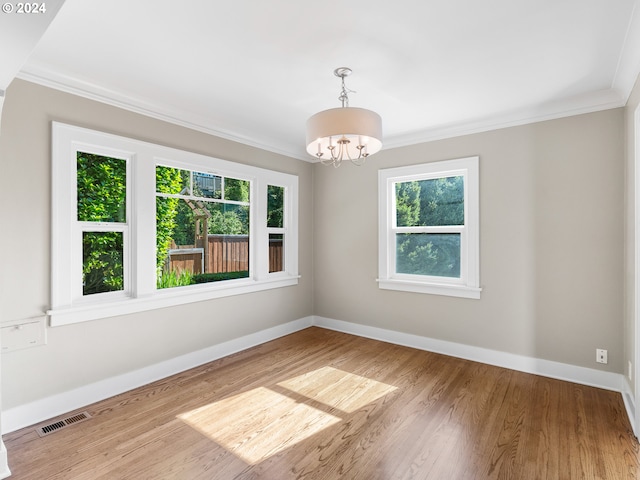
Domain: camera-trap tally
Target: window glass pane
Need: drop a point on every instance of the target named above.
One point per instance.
(276, 252)
(172, 180)
(166, 228)
(428, 254)
(228, 254)
(430, 203)
(102, 264)
(229, 219)
(236, 190)
(200, 241)
(102, 188)
(207, 185)
(275, 206)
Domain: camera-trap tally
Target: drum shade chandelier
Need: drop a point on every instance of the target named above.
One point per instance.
(345, 133)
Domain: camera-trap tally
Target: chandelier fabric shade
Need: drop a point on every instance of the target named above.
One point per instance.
(344, 133)
(360, 126)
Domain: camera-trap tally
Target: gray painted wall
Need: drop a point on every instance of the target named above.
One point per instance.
(551, 243)
(84, 353)
(551, 247)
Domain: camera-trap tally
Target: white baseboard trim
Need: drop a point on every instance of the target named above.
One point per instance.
(545, 368)
(629, 403)
(4, 464)
(65, 402)
(50, 407)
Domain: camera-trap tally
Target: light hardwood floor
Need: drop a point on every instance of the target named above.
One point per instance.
(325, 405)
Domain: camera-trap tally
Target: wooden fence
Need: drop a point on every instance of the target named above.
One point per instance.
(186, 259)
(276, 263)
(224, 253)
(227, 253)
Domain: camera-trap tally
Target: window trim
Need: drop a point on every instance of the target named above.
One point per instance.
(141, 294)
(468, 285)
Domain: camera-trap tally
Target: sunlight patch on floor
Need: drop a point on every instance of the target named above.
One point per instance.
(338, 389)
(257, 424)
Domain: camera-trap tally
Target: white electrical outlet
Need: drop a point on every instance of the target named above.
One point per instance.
(601, 355)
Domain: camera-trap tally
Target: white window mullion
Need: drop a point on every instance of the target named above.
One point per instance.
(76, 263)
(144, 226)
(438, 229)
(259, 246)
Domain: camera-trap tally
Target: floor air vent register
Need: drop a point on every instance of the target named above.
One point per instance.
(60, 424)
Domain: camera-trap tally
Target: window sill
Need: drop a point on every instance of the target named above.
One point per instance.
(462, 291)
(163, 298)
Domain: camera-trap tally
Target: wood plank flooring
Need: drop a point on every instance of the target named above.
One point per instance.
(320, 404)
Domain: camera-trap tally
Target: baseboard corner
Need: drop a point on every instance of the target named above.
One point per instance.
(629, 404)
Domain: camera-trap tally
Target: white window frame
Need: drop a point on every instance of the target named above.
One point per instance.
(468, 284)
(68, 305)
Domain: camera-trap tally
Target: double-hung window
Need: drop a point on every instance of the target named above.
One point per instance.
(138, 226)
(428, 228)
(101, 229)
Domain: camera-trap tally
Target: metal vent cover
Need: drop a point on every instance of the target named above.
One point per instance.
(65, 422)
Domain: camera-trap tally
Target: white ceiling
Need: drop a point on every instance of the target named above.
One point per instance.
(19, 34)
(254, 71)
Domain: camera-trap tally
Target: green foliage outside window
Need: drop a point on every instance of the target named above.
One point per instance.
(176, 218)
(408, 204)
(428, 254)
(442, 201)
(102, 266)
(101, 191)
(429, 203)
(102, 188)
(185, 228)
(236, 190)
(228, 219)
(168, 180)
(275, 206)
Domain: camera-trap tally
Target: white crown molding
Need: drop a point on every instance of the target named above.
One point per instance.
(51, 79)
(628, 67)
(588, 103)
(579, 105)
